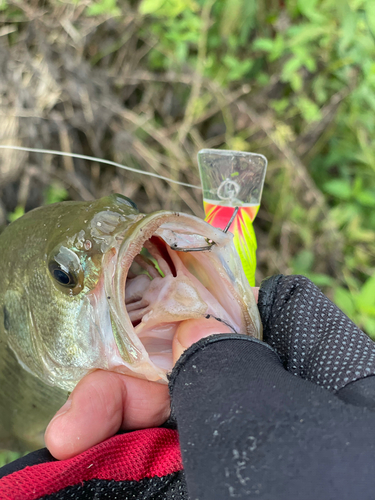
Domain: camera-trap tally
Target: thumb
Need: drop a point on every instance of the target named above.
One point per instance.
(192, 330)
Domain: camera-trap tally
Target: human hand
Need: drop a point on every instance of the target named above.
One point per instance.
(104, 402)
(252, 418)
(314, 339)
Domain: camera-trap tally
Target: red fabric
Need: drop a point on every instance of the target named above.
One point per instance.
(133, 456)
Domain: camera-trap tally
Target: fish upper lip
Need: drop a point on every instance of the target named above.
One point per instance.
(151, 223)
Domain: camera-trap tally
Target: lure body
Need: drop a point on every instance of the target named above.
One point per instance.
(233, 180)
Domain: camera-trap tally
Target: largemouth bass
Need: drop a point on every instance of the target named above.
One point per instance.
(88, 285)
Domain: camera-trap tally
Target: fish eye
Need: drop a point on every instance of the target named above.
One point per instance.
(61, 276)
(65, 268)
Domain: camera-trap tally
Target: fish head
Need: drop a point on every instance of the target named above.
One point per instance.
(55, 316)
(99, 285)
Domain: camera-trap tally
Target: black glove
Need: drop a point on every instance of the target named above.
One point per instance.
(313, 337)
(251, 429)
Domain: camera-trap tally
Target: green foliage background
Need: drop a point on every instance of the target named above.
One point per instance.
(291, 79)
(312, 64)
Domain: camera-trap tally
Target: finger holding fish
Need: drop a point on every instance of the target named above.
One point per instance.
(105, 402)
(102, 403)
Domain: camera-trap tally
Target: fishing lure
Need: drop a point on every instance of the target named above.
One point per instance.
(232, 184)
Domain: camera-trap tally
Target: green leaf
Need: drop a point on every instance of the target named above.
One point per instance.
(265, 44)
(309, 110)
(278, 49)
(279, 105)
(339, 188)
(369, 327)
(370, 15)
(55, 193)
(150, 6)
(296, 82)
(366, 198)
(348, 30)
(167, 8)
(344, 213)
(7, 456)
(19, 212)
(290, 67)
(366, 297)
(108, 7)
(303, 262)
(319, 85)
(311, 10)
(320, 279)
(344, 300)
(237, 68)
(304, 34)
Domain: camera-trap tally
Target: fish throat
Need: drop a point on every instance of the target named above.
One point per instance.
(165, 287)
(158, 288)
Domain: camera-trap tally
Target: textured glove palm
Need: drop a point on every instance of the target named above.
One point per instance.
(314, 339)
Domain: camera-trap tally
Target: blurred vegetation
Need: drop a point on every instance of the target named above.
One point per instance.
(150, 83)
(6, 456)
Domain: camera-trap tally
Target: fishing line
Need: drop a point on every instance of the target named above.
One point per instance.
(99, 160)
(115, 164)
(208, 316)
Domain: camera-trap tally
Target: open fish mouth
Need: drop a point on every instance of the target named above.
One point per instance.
(172, 268)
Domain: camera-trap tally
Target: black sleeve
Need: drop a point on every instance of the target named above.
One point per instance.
(34, 458)
(250, 429)
(359, 393)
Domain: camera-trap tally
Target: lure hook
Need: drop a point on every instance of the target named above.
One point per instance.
(231, 220)
(210, 243)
